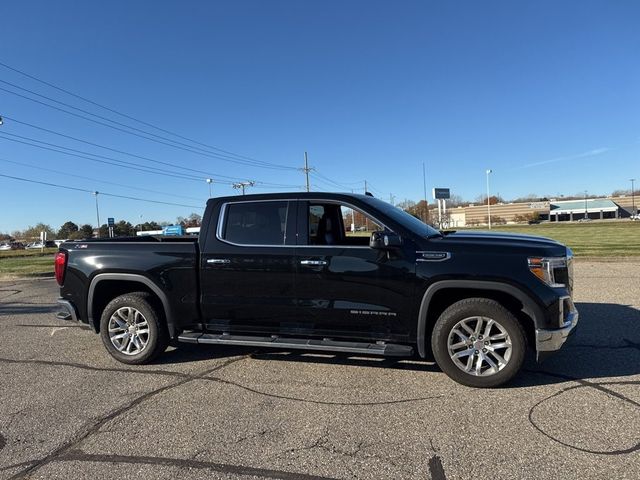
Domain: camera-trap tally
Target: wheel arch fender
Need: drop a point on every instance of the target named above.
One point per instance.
(133, 278)
(529, 306)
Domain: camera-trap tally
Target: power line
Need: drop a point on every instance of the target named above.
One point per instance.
(263, 187)
(374, 189)
(343, 185)
(123, 163)
(66, 174)
(332, 186)
(122, 152)
(66, 187)
(327, 181)
(253, 161)
(180, 145)
(243, 185)
(357, 182)
(85, 155)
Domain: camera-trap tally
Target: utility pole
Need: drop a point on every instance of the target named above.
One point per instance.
(488, 199)
(306, 169)
(633, 198)
(209, 181)
(365, 187)
(391, 199)
(243, 185)
(95, 194)
(424, 187)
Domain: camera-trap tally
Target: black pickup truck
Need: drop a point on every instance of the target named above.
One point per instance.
(329, 272)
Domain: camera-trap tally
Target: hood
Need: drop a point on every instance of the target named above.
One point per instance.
(502, 240)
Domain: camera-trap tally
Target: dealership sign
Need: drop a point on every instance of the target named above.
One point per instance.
(441, 193)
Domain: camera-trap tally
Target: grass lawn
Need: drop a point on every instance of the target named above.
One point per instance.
(592, 239)
(26, 263)
(589, 239)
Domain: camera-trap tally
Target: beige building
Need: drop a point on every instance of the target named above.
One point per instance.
(554, 210)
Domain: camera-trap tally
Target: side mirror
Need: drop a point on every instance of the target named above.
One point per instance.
(384, 240)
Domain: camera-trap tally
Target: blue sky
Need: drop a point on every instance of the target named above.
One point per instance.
(543, 93)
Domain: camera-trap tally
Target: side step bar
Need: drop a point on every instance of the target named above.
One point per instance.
(326, 345)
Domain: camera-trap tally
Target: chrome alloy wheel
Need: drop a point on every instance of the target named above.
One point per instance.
(479, 346)
(128, 331)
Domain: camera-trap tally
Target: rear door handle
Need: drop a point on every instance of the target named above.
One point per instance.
(218, 261)
(313, 263)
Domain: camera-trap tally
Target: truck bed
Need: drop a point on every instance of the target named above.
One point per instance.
(95, 266)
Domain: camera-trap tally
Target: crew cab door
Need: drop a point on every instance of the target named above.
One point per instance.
(344, 287)
(248, 269)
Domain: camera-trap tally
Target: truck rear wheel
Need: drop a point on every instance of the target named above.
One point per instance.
(131, 329)
(478, 343)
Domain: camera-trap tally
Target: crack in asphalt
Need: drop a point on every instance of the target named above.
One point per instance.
(17, 465)
(205, 377)
(323, 402)
(68, 452)
(83, 326)
(94, 427)
(601, 387)
(10, 291)
(77, 455)
(323, 442)
(82, 366)
(31, 303)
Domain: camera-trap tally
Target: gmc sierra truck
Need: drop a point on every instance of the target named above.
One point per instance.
(297, 271)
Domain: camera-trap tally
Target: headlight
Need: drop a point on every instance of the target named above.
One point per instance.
(548, 269)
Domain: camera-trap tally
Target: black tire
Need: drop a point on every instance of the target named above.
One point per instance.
(157, 337)
(466, 310)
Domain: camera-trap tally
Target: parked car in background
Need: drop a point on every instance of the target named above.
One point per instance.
(17, 246)
(34, 245)
(5, 246)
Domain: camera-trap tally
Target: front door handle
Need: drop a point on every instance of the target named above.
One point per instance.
(313, 263)
(218, 261)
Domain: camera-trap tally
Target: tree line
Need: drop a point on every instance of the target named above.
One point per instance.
(72, 231)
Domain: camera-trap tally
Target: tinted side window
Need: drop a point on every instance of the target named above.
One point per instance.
(255, 223)
(335, 224)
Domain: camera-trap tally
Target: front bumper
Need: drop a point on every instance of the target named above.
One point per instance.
(549, 341)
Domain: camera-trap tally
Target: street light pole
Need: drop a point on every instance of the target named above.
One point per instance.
(209, 181)
(488, 199)
(95, 194)
(586, 210)
(633, 198)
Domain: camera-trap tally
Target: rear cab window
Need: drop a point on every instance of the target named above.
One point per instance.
(255, 223)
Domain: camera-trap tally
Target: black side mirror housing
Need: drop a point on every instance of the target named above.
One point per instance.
(385, 240)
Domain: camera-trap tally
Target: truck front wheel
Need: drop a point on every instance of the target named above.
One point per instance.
(131, 329)
(478, 343)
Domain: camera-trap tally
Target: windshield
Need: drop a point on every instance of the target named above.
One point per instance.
(408, 221)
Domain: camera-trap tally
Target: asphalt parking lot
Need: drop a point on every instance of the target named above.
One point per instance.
(67, 410)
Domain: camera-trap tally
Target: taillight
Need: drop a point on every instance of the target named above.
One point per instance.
(60, 263)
